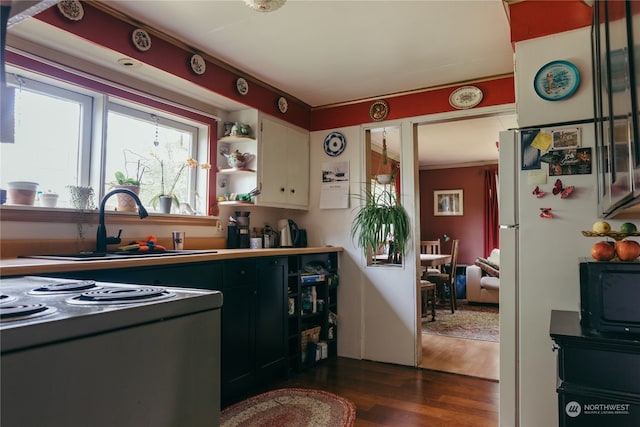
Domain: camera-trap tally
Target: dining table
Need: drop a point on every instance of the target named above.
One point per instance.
(434, 260)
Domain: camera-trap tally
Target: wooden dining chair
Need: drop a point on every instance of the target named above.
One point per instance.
(431, 247)
(447, 280)
(428, 296)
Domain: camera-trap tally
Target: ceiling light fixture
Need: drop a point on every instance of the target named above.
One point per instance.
(265, 5)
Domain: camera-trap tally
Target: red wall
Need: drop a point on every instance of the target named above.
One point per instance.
(529, 19)
(106, 30)
(468, 228)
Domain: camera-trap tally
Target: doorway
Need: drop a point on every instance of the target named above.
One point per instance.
(453, 154)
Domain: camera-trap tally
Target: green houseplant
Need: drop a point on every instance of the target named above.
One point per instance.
(167, 192)
(380, 219)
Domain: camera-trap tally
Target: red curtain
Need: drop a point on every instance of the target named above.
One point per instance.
(491, 225)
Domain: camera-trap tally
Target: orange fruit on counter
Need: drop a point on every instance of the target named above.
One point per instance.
(603, 251)
(627, 250)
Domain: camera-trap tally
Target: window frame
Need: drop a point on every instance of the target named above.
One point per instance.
(92, 146)
(150, 115)
(49, 87)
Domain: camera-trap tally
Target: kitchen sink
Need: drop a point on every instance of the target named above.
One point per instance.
(95, 256)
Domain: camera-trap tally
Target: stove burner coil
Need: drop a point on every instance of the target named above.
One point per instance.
(11, 312)
(56, 288)
(4, 298)
(121, 296)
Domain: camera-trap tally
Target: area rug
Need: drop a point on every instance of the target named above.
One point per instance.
(478, 322)
(291, 407)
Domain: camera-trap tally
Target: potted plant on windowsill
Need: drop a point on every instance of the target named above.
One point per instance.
(125, 202)
(131, 183)
(166, 197)
(381, 219)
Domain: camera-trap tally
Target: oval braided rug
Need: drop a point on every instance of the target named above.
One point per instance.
(291, 407)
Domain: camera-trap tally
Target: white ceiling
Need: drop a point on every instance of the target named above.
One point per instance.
(326, 52)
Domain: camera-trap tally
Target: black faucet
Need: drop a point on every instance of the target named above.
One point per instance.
(101, 238)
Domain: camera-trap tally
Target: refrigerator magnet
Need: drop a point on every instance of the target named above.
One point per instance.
(556, 80)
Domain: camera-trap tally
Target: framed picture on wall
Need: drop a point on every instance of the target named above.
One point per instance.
(447, 203)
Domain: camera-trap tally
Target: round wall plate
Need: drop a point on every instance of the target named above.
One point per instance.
(465, 97)
(379, 110)
(556, 80)
(141, 39)
(198, 64)
(71, 9)
(334, 144)
(242, 86)
(283, 104)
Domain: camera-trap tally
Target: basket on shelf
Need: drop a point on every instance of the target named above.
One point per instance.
(309, 335)
(616, 235)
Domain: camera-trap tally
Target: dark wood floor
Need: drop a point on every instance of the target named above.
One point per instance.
(393, 395)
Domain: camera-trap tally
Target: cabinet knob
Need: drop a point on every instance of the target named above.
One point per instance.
(241, 272)
(293, 190)
(555, 347)
(282, 189)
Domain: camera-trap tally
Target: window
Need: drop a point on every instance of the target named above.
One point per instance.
(63, 138)
(153, 150)
(52, 129)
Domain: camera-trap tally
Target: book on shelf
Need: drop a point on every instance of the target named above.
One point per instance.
(312, 278)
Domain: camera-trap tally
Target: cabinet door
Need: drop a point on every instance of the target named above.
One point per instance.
(284, 165)
(298, 168)
(273, 162)
(271, 317)
(238, 331)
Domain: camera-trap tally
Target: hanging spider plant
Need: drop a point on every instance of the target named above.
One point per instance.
(379, 220)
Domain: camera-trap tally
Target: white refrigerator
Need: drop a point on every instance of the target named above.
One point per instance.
(540, 243)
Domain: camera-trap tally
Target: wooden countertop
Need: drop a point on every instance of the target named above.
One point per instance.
(31, 266)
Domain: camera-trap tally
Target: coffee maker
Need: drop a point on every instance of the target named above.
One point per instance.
(238, 231)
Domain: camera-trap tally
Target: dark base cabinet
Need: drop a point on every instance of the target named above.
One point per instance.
(589, 408)
(598, 375)
(266, 313)
(271, 319)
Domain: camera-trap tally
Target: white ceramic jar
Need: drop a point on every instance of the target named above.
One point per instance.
(49, 200)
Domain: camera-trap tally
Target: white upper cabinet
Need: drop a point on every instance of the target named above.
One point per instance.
(283, 165)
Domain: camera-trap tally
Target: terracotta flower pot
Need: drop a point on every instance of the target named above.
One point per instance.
(126, 202)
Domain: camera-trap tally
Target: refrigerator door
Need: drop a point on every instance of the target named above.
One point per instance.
(509, 273)
(509, 326)
(508, 173)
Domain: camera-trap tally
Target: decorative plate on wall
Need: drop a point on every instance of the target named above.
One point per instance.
(242, 86)
(71, 9)
(283, 104)
(141, 39)
(198, 64)
(379, 110)
(465, 97)
(556, 80)
(334, 144)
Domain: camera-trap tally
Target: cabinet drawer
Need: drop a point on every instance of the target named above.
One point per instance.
(599, 368)
(589, 408)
